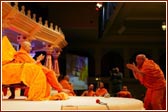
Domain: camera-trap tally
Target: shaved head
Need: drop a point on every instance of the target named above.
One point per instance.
(91, 87)
(26, 45)
(143, 56)
(140, 58)
(125, 88)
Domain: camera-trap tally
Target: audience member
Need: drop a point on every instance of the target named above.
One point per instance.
(124, 93)
(116, 77)
(89, 92)
(67, 85)
(101, 91)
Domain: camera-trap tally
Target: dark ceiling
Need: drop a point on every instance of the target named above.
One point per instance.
(78, 20)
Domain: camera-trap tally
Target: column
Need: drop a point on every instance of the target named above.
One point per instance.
(56, 54)
(48, 62)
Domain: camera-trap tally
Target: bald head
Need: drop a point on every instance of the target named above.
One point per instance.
(124, 88)
(26, 45)
(101, 84)
(66, 77)
(140, 58)
(91, 87)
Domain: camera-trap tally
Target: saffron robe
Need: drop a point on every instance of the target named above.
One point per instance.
(88, 93)
(20, 66)
(66, 85)
(101, 91)
(153, 79)
(125, 94)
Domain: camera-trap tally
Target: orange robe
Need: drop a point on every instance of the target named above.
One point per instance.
(7, 51)
(88, 93)
(30, 74)
(101, 91)
(125, 94)
(153, 79)
(21, 67)
(23, 57)
(66, 85)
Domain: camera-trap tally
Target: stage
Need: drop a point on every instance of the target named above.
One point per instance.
(73, 103)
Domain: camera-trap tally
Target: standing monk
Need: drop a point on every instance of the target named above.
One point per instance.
(152, 77)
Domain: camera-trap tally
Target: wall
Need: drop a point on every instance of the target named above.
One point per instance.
(125, 51)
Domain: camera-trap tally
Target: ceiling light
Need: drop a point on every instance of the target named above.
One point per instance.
(99, 5)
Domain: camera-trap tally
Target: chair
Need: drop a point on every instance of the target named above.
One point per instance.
(12, 88)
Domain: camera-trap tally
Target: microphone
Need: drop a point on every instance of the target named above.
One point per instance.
(102, 103)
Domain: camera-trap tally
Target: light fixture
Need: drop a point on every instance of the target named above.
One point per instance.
(96, 78)
(163, 26)
(99, 5)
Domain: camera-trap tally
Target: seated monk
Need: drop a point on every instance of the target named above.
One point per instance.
(67, 85)
(23, 68)
(89, 92)
(101, 91)
(124, 93)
